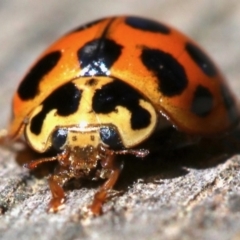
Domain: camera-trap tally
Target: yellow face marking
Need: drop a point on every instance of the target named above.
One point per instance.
(83, 125)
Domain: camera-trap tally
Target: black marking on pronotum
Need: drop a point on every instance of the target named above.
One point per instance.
(91, 82)
(118, 93)
(169, 72)
(97, 56)
(65, 100)
(29, 87)
(147, 25)
(202, 102)
(230, 105)
(201, 59)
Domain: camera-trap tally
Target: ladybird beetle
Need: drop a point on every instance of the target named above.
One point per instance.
(107, 86)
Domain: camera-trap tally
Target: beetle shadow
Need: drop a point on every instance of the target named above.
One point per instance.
(172, 153)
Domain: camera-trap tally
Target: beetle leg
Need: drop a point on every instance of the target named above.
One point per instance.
(61, 157)
(33, 164)
(56, 182)
(141, 153)
(108, 163)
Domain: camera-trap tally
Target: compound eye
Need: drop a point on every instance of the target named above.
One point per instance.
(110, 137)
(59, 138)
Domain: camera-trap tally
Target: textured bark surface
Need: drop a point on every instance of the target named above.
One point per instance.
(189, 194)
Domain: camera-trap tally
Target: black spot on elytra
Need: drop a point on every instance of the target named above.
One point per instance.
(29, 87)
(169, 72)
(230, 105)
(118, 93)
(202, 103)
(97, 56)
(201, 59)
(147, 25)
(65, 100)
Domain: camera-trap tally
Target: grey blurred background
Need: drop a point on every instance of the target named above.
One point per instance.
(27, 27)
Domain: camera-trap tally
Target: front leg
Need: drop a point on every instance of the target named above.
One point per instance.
(109, 163)
(56, 183)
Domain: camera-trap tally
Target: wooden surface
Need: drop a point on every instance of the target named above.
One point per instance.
(190, 196)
